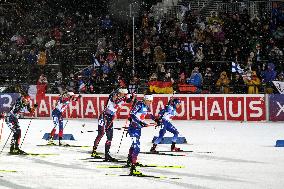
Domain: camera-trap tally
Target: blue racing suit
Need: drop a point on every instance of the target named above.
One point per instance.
(165, 116)
(61, 105)
(137, 115)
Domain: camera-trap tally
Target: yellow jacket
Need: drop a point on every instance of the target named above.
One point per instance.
(253, 85)
(223, 83)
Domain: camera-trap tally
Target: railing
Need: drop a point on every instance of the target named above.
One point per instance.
(254, 8)
(167, 12)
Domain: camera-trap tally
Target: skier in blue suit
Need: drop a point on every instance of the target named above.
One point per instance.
(137, 121)
(165, 116)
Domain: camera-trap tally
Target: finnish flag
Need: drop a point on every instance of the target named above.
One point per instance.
(96, 63)
(236, 68)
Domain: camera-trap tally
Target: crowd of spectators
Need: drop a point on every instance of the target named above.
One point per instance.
(190, 50)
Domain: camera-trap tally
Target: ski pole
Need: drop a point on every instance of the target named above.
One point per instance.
(26, 133)
(6, 142)
(1, 129)
(65, 124)
(125, 126)
(122, 136)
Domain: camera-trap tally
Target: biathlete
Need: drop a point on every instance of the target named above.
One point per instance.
(165, 117)
(61, 105)
(105, 123)
(21, 105)
(137, 121)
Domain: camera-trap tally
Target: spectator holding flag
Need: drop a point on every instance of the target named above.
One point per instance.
(252, 82)
(236, 68)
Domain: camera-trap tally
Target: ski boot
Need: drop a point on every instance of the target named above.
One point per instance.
(108, 158)
(133, 171)
(153, 148)
(51, 143)
(174, 148)
(95, 154)
(62, 143)
(21, 152)
(17, 151)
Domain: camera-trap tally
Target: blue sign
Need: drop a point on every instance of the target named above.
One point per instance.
(7, 100)
(276, 107)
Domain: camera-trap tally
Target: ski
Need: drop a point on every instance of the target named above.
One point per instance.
(67, 145)
(174, 151)
(105, 161)
(145, 175)
(100, 159)
(163, 154)
(185, 151)
(7, 171)
(34, 154)
(141, 165)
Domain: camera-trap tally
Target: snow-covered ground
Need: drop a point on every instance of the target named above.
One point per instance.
(243, 157)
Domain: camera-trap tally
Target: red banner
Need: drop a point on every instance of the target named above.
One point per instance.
(193, 107)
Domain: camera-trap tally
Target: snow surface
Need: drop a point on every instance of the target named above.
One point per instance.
(243, 157)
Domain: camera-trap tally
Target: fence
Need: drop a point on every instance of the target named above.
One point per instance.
(254, 8)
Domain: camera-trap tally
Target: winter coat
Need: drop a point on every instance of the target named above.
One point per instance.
(223, 83)
(269, 74)
(253, 84)
(195, 79)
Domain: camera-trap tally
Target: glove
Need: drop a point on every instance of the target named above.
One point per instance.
(158, 121)
(35, 105)
(143, 124)
(129, 119)
(79, 96)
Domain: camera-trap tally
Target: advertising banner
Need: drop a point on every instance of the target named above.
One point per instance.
(276, 107)
(193, 107)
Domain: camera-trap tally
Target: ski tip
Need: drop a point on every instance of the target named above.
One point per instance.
(10, 171)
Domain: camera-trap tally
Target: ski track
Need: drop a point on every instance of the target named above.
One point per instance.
(242, 156)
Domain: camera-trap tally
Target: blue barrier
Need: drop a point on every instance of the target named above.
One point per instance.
(168, 140)
(279, 143)
(65, 137)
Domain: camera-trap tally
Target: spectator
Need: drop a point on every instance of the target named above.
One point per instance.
(209, 78)
(252, 82)
(159, 55)
(41, 57)
(71, 83)
(280, 77)
(195, 79)
(268, 76)
(106, 25)
(199, 56)
(58, 83)
(223, 83)
(31, 57)
(133, 85)
(238, 84)
(41, 85)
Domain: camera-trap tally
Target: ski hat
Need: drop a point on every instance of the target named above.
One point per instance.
(70, 93)
(124, 91)
(148, 97)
